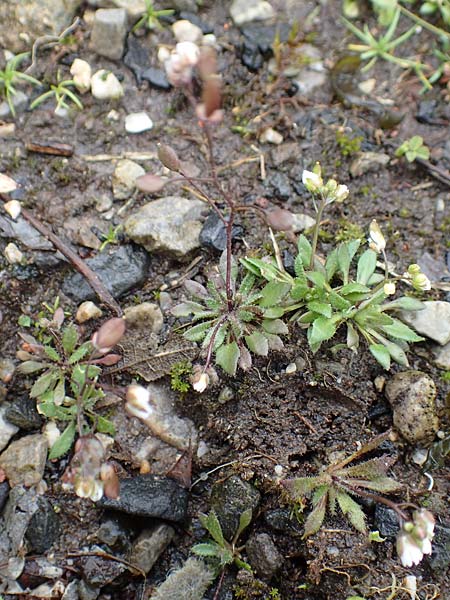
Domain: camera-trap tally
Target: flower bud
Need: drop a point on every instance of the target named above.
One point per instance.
(109, 334)
(389, 288)
(376, 241)
(414, 269)
(111, 485)
(168, 157)
(200, 381)
(341, 193)
(421, 282)
(211, 95)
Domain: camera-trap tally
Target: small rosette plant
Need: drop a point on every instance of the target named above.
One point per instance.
(233, 326)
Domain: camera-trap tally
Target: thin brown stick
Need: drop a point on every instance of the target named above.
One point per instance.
(91, 277)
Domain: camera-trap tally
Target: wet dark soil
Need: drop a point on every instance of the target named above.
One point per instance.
(330, 404)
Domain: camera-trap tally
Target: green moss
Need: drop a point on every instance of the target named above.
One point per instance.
(404, 213)
(348, 145)
(349, 231)
(179, 376)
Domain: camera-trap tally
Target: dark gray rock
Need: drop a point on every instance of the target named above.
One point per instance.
(440, 558)
(150, 496)
(156, 78)
(213, 234)
(136, 58)
(386, 521)
(120, 271)
(44, 527)
(281, 519)
(263, 555)
(229, 499)
(150, 544)
(263, 36)
(98, 571)
(251, 57)
(24, 233)
(87, 592)
(4, 493)
(108, 32)
(278, 185)
(23, 414)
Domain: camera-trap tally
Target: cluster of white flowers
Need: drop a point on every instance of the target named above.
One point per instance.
(415, 538)
(179, 63)
(88, 473)
(331, 191)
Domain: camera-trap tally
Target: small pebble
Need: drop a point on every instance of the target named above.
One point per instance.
(379, 383)
(87, 311)
(291, 368)
(279, 471)
(185, 31)
(81, 74)
(7, 184)
(138, 122)
(13, 254)
(106, 86)
(419, 456)
(13, 208)
(113, 115)
(271, 136)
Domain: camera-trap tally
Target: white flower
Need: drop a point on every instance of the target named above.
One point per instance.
(389, 288)
(13, 208)
(89, 488)
(138, 402)
(200, 382)
(51, 433)
(376, 240)
(341, 193)
(408, 550)
(312, 181)
(425, 519)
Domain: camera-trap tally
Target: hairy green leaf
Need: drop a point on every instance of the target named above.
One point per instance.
(52, 353)
(31, 366)
(322, 308)
(80, 353)
(227, 357)
(381, 354)
(304, 250)
(257, 343)
(322, 329)
(401, 331)
(367, 264)
(64, 442)
(274, 326)
(43, 383)
(317, 515)
(352, 511)
(212, 524)
(244, 521)
(198, 332)
(69, 339)
(105, 425)
(273, 292)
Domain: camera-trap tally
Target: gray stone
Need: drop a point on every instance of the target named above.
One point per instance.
(7, 429)
(87, 592)
(43, 529)
(23, 232)
(98, 571)
(229, 499)
(246, 11)
(24, 460)
(71, 591)
(263, 555)
(302, 222)
(108, 32)
(213, 233)
(150, 496)
(433, 321)
(366, 162)
(386, 521)
(111, 532)
(412, 395)
(171, 225)
(120, 271)
(440, 558)
(144, 316)
(19, 101)
(23, 414)
(4, 493)
(442, 356)
(124, 178)
(22, 21)
(281, 519)
(150, 544)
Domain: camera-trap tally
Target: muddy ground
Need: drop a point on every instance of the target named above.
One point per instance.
(328, 405)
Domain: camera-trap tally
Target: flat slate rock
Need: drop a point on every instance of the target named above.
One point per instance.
(151, 496)
(119, 271)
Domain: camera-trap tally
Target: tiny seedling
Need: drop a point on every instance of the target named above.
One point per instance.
(179, 376)
(61, 91)
(232, 326)
(10, 76)
(151, 16)
(413, 148)
(111, 237)
(372, 48)
(219, 550)
(337, 485)
(67, 390)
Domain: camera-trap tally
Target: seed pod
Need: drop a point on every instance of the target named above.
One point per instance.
(211, 95)
(168, 157)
